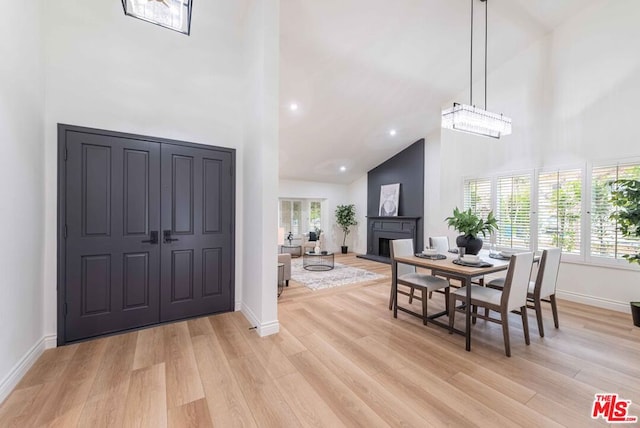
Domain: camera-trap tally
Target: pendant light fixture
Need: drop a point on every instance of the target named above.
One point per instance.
(172, 14)
(472, 119)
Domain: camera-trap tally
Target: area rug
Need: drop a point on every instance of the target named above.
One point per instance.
(336, 277)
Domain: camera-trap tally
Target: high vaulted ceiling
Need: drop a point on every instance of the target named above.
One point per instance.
(359, 68)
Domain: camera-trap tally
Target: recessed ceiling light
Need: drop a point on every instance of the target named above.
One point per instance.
(343, 168)
(293, 106)
(392, 132)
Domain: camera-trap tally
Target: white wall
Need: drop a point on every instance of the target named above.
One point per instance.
(573, 98)
(261, 166)
(109, 71)
(21, 191)
(332, 196)
(358, 196)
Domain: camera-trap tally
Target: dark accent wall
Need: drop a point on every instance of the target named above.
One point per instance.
(406, 168)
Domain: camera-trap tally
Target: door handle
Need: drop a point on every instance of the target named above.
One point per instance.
(153, 237)
(167, 237)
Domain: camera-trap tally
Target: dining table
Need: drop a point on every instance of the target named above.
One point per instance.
(447, 268)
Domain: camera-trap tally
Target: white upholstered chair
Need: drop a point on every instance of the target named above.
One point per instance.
(440, 244)
(408, 276)
(512, 297)
(310, 241)
(285, 258)
(543, 288)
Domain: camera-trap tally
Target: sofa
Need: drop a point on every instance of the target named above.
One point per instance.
(285, 259)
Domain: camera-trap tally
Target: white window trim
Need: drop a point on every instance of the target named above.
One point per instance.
(575, 258)
(589, 258)
(585, 257)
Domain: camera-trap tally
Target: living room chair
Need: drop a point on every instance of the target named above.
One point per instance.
(408, 276)
(543, 289)
(286, 259)
(310, 241)
(513, 296)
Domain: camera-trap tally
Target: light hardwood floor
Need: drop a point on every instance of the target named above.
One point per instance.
(340, 359)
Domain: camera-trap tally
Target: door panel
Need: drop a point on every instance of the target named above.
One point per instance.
(136, 184)
(197, 208)
(112, 204)
(96, 190)
(136, 280)
(182, 208)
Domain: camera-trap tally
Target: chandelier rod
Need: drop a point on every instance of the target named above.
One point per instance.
(486, 31)
(471, 60)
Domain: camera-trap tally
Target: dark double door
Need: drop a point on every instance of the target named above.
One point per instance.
(148, 232)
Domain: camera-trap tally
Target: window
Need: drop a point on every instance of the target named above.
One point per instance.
(315, 215)
(559, 209)
(291, 216)
(513, 201)
(299, 216)
(477, 196)
(606, 239)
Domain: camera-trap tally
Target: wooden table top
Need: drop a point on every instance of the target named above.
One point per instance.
(449, 267)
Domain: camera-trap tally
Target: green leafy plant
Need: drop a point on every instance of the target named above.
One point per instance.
(470, 224)
(625, 196)
(345, 218)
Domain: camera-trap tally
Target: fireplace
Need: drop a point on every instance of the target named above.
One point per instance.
(383, 247)
(381, 230)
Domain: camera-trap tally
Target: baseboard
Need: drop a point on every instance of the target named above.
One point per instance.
(50, 341)
(263, 329)
(599, 302)
(238, 306)
(22, 367)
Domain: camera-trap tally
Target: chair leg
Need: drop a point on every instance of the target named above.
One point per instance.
(411, 295)
(538, 306)
(430, 294)
(554, 309)
(504, 317)
(474, 312)
(452, 311)
(486, 312)
(446, 300)
(287, 282)
(424, 306)
(525, 324)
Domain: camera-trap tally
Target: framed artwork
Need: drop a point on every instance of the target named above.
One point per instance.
(389, 199)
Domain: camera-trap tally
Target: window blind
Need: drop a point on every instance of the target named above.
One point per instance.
(290, 216)
(559, 210)
(513, 195)
(606, 239)
(477, 196)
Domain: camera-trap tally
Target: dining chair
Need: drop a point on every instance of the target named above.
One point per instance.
(440, 244)
(543, 289)
(407, 275)
(513, 296)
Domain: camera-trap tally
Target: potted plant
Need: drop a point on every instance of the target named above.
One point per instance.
(470, 225)
(345, 218)
(625, 196)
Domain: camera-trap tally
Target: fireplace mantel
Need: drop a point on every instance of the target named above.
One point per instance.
(398, 217)
(389, 228)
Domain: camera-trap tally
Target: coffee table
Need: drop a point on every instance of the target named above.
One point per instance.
(318, 261)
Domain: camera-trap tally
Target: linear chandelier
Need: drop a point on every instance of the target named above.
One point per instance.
(172, 14)
(472, 119)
